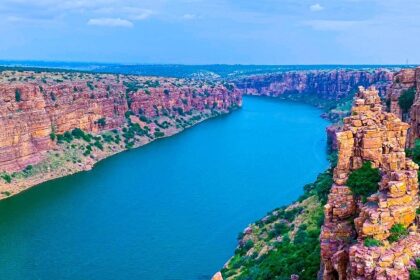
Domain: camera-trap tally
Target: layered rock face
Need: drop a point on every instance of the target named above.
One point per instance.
(332, 85)
(370, 134)
(33, 106)
(405, 80)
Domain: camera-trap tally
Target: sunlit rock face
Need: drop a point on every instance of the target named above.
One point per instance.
(35, 105)
(370, 134)
(332, 85)
(405, 80)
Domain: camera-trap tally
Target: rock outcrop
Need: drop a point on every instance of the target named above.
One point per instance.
(36, 106)
(370, 134)
(403, 81)
(332, 85)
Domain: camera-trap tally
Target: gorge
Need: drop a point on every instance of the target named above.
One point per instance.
(160, 212)
(60, 123)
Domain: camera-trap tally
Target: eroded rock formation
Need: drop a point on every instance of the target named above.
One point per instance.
(370, 134)
(34, 106)
(403, 81)
(331, 85)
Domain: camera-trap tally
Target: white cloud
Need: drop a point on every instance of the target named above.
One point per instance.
(316, 7)
(111, 22)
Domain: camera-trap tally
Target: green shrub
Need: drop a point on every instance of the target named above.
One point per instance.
(28, 168)
(144, 119)
(98, 145)
(415, 152)
(372, 242)
(397, 231)
(281, 228)
(415, 273)
(159, 134)
(18, 97)
(364, 181)
(406, 99)
(321, 187)
(101, 122)
(77, 133)
(52, 136)
(291, 214)
(7, 178)
(90, 85)
(68, 137)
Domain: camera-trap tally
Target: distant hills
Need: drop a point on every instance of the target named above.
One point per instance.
(215, 71)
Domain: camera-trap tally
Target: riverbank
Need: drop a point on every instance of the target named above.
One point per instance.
(69, 158)
(165, 201)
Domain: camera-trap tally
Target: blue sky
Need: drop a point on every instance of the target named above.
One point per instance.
(212, 31)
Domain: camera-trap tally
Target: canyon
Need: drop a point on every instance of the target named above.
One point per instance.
(42, 112)
(38, 106)
(358, 238)
(60, 123)
(323, 84)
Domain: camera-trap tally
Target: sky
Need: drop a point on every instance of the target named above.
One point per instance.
(212, 31)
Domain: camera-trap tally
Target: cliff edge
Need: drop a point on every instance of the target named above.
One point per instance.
(358, 239)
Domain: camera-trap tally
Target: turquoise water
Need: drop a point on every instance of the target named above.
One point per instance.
(170, 210)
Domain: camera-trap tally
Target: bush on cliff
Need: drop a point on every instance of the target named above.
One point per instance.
(372, 242)
(406, 99)
(397, 231)
(7, 178)
(415, 273)
(18, 97)
(364, 181)
(415, 152)
(321, 187)
(101, 122)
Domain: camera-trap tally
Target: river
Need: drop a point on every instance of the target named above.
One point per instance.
(171, 209)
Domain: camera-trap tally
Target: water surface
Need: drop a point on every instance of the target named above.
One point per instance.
(170, 210)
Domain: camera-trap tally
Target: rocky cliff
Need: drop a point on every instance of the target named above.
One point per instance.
(39, 110)
(332, 85)
(358, 238)
(405, 90)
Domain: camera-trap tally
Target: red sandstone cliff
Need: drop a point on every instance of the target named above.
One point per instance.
(405, 80)
(35, 105)
(370, 134)
(332, 85)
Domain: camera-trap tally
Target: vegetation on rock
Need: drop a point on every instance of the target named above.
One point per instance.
(406, 99)
(397, 232)
(364, 181)
(372, 242)
(415, 273)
